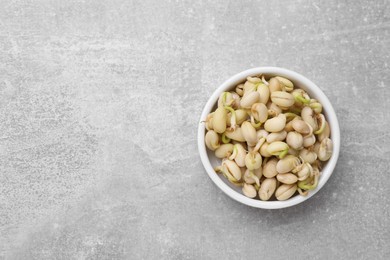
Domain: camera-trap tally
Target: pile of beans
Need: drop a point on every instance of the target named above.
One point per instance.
(272, 138)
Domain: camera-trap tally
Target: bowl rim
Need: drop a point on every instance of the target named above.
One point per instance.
(331, 118)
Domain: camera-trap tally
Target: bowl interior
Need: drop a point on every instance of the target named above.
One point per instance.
(212, 161)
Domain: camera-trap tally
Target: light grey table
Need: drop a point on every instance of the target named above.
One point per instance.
(100, 102)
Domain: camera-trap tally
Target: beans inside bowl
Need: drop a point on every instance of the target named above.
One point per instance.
(271, 137)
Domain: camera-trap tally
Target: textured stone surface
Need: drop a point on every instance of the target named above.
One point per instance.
(100, 102)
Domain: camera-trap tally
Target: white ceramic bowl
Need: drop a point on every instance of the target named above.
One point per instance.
(210, 161)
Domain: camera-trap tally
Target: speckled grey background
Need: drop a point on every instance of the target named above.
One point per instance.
(100, 102)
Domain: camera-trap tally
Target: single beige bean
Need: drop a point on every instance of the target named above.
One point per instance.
(240, 89)
(287, 178)
(224, 151)
(302, 127)
(309, 140)
(253, 176)
(209, 121)
(249, 133)
(212, 140)
(267, 188)
(219, 120)
(283, 99)
(241, 116)
(308, 116)
(269, 169)
(298, 91)
(238, 155)
(303, 171)
(274, 85)
(259, 112)
(316, 147)
(275, 124)
(308, 156)
(279, 136)
(253, 160)
(249, 190)
(316, 106)
(287, 164)
(236, 100)
(301, 97)
(325, 133)
(249, 99)
(264, 150)
(285, 84)
(248, 178)
(225, 99)
(231, 168)
(325, 150)
(249, 87)
(276, 148)
(294, 140)
(264, 93)
(273, 109)
(320, 118)
(285, 191)
(235, 134)
(254, 80)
